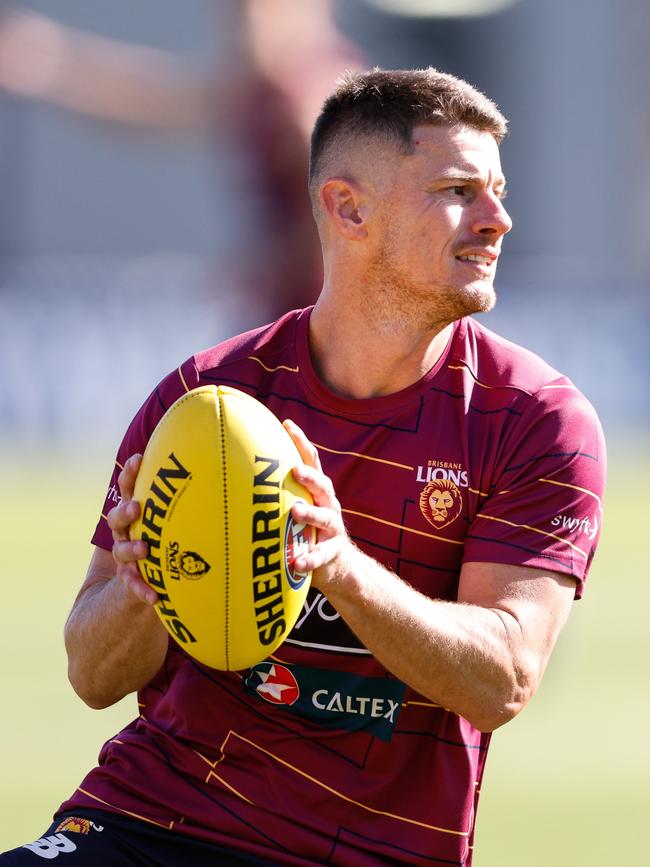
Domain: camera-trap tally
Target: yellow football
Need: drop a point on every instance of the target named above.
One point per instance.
(216, 490)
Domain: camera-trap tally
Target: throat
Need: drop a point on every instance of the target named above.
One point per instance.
(374, 363)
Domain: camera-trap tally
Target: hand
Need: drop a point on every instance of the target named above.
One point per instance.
(126, 553)
(328, 560)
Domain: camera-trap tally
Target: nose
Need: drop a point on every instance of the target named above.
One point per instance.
(491, 217)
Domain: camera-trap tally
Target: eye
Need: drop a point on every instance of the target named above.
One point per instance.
(459, 190)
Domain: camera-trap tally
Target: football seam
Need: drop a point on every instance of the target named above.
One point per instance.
(225, 530)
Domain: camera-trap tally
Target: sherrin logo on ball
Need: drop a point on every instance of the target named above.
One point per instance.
(216, 490)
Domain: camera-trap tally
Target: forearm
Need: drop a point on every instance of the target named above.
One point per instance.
(464, 657)
(115, 643)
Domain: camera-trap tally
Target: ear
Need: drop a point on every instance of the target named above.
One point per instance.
(341, 201)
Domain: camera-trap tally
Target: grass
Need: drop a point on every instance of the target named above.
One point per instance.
(566, 782)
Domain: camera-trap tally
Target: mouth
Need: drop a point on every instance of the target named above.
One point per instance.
(482, 262)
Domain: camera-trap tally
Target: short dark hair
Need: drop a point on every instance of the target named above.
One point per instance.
(389, 103)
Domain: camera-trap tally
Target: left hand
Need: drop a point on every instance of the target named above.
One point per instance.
(329, 557)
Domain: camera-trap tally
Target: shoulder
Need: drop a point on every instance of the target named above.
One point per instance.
(506, 374)
(499, 363)
(241, 361)
(261, 348)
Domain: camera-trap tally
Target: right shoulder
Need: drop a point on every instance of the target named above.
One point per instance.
(245, 362)
(241, 361)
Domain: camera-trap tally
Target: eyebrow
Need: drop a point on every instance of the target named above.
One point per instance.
(467, 177)
(471, 178)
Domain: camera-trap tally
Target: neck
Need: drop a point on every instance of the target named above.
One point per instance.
(360, 352)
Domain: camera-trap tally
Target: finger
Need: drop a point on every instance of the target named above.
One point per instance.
(125, 551)
(132, 580)
(306, 449)
(320, 555)
(318, 484)
(322, 518)
(128, 475)
(121, 517)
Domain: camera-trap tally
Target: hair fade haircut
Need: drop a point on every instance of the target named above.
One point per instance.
(389, 103)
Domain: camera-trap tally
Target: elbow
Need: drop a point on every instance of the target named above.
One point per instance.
(89, 689)
(504, 701)
(489, 719)
(85, 678)
(89, 695)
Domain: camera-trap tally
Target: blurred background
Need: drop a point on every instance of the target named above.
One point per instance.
(152, 172)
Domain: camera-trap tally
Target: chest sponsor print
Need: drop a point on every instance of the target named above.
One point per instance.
(334, 699)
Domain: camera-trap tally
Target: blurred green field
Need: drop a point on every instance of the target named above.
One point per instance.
(566, 782)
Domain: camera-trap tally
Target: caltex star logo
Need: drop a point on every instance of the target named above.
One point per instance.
(274, 683)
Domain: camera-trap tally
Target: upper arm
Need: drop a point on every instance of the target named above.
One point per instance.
(534, 605)
(100, 569)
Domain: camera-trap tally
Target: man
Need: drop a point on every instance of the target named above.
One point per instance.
(438, 456)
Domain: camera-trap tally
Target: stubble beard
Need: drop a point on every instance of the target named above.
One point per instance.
(404, 303)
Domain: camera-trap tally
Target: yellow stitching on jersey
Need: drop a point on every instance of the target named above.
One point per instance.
(365, 457)
(169, 826)
(185, 386)
(402, 527)
(273, 369)
(482, 384)
(343, 797)
(533, 530)
(575, 488)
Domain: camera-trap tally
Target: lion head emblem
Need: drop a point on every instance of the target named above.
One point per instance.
(192, 565)
(440, 502)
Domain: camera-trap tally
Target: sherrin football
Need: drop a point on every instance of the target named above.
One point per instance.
(216, 489)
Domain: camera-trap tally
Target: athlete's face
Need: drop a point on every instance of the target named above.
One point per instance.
(440, 222)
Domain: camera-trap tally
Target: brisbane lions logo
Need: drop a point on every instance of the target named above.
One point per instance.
(192, 565)
(440, 502)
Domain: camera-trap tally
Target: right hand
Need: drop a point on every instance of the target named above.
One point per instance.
(127, 552)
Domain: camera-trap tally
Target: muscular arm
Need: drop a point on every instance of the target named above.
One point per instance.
(113, 636)
(482, 657)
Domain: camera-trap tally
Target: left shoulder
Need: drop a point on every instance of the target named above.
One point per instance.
(499, 363)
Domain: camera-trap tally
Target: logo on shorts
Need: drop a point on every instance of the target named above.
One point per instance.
(273, 683)
(51, 847)
(440, 502)
(75, 825)
(296, 542)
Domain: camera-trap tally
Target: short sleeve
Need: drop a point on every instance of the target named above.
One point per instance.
(137, 436)
(545, 506)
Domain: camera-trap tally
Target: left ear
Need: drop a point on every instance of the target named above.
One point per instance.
(341, 200)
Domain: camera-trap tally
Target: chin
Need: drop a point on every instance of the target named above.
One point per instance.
(477, 299)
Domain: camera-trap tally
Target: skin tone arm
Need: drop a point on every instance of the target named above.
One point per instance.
(113, 636)
(482, 657)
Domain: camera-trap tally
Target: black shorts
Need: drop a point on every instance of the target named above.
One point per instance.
(103, 839)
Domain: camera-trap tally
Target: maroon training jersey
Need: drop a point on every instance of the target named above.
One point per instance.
(319, 755)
